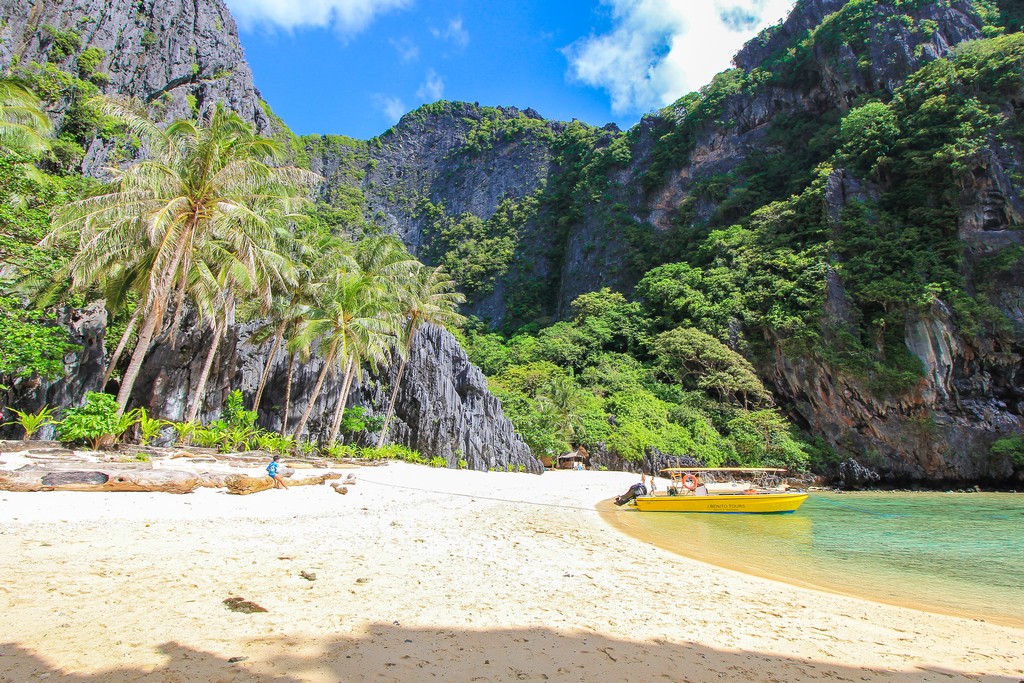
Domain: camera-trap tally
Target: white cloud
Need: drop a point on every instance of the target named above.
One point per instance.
(392, 107)
(454, 33)
(659, 50)
(347, 16)
(432, 89)
(407, 50)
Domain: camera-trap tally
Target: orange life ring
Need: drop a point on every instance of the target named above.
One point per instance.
(690, 482)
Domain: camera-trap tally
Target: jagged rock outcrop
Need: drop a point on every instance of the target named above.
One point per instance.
(443, 408)
(853, 475)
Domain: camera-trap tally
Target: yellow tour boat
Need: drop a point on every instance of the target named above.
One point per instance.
(721, 489)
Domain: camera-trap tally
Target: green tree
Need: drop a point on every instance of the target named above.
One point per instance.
(562, 401)
(205, 182)
(24, 125)
(695, 359)
(764, 438)
(869, 133)
(32, 344)
(97, 421)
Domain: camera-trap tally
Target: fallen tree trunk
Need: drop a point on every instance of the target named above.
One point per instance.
(243, 485)
(98, 478)
(213, 480)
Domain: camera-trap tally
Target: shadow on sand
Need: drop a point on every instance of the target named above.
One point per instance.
(390, 652)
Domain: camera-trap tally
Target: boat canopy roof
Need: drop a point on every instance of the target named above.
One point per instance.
(723, 469)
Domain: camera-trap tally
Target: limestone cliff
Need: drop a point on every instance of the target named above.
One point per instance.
(823, 60)
(179, 58)
(590, 207)
(161, 51)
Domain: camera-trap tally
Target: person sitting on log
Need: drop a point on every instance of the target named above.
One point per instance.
(272, 471)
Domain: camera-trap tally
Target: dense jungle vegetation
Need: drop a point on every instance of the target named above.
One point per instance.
(753, 275)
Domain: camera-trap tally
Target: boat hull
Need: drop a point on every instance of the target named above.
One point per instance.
(742, 504)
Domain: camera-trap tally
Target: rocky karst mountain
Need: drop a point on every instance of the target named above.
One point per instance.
(180, 59)
(531, 213)
(182, 55)
(597, 207)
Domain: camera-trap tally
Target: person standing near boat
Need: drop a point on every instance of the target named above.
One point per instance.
(701, 489)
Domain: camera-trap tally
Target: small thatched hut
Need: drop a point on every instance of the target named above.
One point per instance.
(578, 459)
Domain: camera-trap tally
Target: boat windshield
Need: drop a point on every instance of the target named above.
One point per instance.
(730, 478)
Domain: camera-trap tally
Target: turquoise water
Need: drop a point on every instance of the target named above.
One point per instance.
(944, 552)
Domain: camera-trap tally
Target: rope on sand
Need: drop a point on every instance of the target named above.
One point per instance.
(478, 497)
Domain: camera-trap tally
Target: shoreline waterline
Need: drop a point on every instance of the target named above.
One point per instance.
(803, 549)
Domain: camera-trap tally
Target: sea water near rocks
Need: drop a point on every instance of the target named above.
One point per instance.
(954, 553)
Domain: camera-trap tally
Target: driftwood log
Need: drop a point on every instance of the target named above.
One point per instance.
(243, 485)
(136, 476)
(99, 477)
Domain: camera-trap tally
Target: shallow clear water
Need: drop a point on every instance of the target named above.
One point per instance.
(952, 553)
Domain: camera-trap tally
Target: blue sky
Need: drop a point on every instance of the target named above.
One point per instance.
(353, 67)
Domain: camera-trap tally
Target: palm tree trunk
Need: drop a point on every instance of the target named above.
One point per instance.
(132, 372)
(121, 344)
(154, 315)
(339, 411)
(328, 361)
(179, 314)
(270, 361)
(411, 332)
(288, 394)
(390, 406)
(197, 400)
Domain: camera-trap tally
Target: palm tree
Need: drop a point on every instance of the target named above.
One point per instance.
(372, 346)
(286, 312)
(202, 183)
(428, 298)
(560, 401)
(351, 318)
(24, 125)
(312, 261)
(298, 348)
(382, 263)
(253, 273)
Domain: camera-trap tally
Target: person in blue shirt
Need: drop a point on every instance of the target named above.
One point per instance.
(272, 472)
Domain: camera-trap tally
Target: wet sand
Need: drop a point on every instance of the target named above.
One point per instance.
(424, 574)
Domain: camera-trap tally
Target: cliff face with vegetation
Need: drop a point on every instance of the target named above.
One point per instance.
(178, 58)
(839, 213)
(857, 176)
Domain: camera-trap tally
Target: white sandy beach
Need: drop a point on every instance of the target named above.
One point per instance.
(427, 575)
